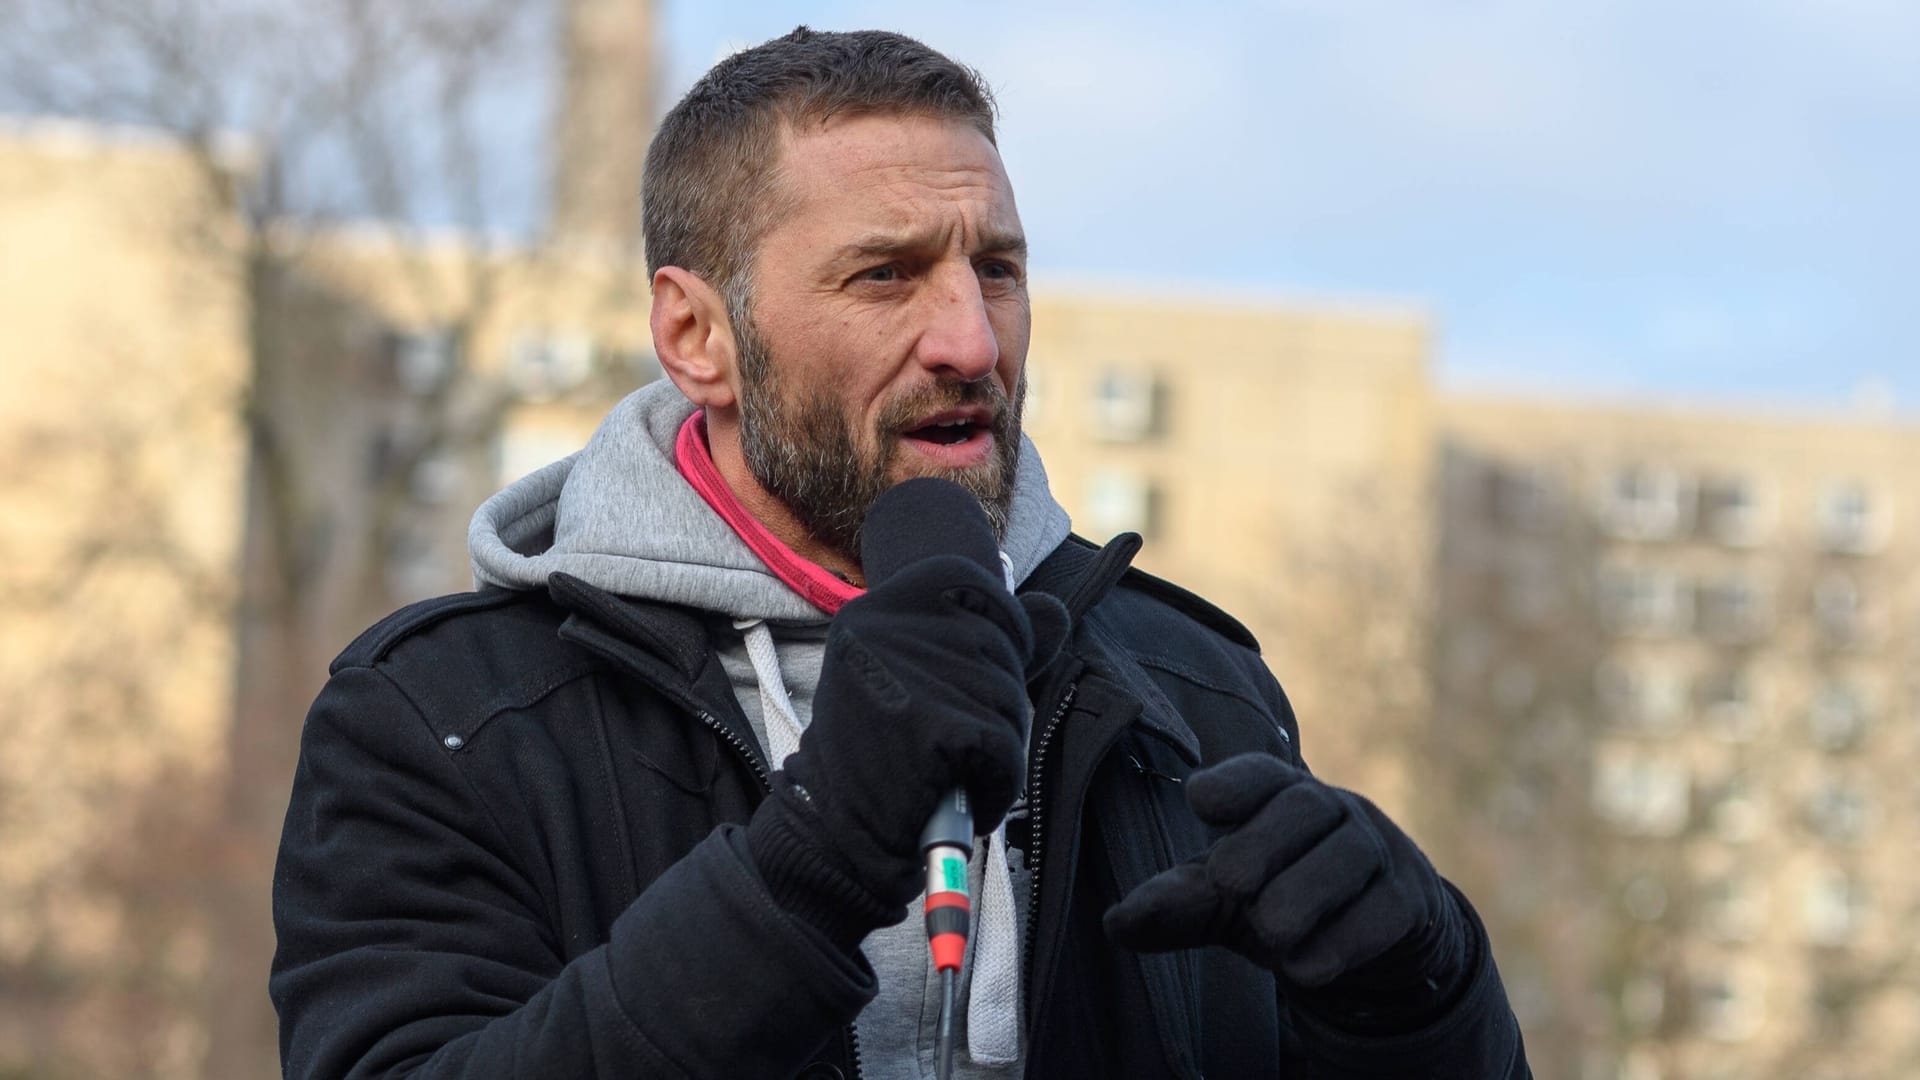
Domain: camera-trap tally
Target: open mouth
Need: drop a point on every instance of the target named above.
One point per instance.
(947, 432)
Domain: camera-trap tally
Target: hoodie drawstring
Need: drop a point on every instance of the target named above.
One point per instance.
(782, 723)
(993, 1002)
(993, 1009)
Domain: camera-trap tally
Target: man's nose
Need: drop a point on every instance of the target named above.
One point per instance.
(959, 341)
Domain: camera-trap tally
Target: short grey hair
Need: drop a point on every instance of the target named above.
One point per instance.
(709, 194)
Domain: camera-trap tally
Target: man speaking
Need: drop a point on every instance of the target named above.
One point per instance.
(650, 802)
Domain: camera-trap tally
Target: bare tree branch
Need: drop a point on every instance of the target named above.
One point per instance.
(291, 120)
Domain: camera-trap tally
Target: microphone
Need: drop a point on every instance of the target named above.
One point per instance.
(948, 843)
(911, 521)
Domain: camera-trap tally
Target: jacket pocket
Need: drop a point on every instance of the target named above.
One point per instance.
(1147, 827)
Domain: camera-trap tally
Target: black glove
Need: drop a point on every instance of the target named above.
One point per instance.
(1315, 884)
(923, 690)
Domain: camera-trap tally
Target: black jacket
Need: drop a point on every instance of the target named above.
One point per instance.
(513, 849)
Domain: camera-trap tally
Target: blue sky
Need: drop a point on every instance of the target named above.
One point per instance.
(1707, 201)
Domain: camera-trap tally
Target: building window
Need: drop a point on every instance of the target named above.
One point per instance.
(423, 360)
(1120, 502)
(438, 480)
(543, 365)
(1837, 811)
(1643, 1001)
(1637, 1063)
(1836, 1001)
(1837, 716)
(1850, 520)
(1128, 406)
(521, 450)
(1037, 396)
(1644, 600)
(1530, 587)
(1643, 695)
(1732, 609)
(1648, 503)
(1727, 705)
(633, 367)
(1834, 907)
(1731, 908)
(1732, 512)
(414, 570)
(1645, 898)
(1839, 611)
(1522, 497)
(1728, 1006)
(1641, 794)
(1734, 810)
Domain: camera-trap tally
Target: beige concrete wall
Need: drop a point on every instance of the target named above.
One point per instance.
(429, 280)
(121, 467)
(1269, 405)
(507, 303)
(1290, 464)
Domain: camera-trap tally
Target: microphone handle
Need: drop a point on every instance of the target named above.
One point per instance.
(948, 843)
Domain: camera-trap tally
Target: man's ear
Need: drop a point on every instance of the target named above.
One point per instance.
(693, 338)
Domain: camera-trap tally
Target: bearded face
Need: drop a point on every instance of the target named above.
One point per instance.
(806, 448)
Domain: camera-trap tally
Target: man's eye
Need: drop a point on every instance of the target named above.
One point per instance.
(879, 273)
(998, 270)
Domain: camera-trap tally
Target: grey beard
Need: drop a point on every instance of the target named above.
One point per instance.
(805, 453)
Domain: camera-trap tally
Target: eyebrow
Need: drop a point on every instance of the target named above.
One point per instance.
(878, 244)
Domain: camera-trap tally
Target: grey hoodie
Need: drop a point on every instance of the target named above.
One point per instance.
(619, 515)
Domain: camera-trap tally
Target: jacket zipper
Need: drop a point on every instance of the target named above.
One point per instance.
(1036, 833)
(766, 788)
(1148, 775)
(606, 644)
(751, 756)
(740, 747)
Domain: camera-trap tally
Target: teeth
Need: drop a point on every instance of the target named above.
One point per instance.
(953, 423)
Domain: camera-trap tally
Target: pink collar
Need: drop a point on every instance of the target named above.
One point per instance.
(811, 580)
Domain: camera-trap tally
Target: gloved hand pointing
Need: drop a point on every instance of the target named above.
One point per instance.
(1313, 883)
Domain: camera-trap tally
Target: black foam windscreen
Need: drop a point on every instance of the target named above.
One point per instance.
(923, 517)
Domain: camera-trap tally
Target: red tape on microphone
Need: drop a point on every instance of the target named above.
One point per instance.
(949, 912)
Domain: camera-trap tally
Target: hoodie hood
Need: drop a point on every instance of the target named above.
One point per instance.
(619, 516)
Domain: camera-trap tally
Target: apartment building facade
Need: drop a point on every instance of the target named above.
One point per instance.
(1701, 626)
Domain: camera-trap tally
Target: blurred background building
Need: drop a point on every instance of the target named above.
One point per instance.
(1641, 678)
(1684, 645)
(122, 472)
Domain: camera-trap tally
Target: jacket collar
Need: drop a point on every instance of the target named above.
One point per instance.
(1080, 575)
(674, 653)
(664, 646)
(672, 634)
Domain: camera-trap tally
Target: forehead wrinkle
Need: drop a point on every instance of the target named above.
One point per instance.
(976, 193)
(924, 202)
(919, 222)
(935, 237)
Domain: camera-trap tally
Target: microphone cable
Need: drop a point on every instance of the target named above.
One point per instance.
(943, 1065)
(948, 843)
